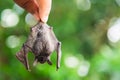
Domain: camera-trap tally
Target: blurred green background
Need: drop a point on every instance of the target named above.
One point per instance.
(88, 29)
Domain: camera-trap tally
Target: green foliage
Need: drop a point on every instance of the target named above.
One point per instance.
(87, 53)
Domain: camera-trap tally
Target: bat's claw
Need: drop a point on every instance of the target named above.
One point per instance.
(57, 68)
(49, 62)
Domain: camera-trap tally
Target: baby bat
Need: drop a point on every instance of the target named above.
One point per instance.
(41, 42)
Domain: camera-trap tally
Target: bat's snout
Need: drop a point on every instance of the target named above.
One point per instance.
(42, 59)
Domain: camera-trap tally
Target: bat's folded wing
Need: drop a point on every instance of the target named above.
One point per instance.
(22, 57)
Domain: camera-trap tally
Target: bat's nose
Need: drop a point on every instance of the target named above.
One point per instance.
(42, 60)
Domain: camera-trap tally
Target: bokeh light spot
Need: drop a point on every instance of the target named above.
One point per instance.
(83, 68)
(12, 41)
(71, 62)
(9, 18)
(83, 4)
(18, 9)
(113, 33)
(118, 2)
(30, 20)
(107, 52)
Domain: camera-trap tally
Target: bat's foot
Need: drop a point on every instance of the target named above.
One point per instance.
(57, 68)
(49, 62)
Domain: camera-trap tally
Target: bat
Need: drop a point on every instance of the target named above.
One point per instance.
(41, 42)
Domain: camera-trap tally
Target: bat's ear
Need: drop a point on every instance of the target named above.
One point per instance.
(35, 62)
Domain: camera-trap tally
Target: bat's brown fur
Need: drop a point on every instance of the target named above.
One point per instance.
(41, 42)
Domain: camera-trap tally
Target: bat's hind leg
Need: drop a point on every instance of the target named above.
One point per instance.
(59, 53)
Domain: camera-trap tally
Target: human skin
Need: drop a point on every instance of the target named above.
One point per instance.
(40, 9)
(44, 9)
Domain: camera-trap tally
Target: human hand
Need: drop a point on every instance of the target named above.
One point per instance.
(40, 9)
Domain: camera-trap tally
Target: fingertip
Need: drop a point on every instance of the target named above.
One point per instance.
(44, 19)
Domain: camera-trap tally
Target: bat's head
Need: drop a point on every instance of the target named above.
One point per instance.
(42, 59)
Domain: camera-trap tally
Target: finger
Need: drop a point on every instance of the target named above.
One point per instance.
(44, 9)
(36, 15)
(29, 5)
